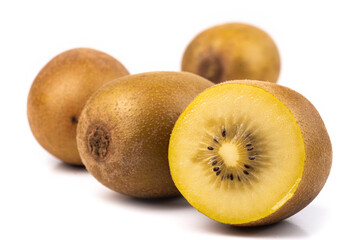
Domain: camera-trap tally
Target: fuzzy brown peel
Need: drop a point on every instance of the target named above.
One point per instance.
(59, 93)
(139, 112)
(233, 51)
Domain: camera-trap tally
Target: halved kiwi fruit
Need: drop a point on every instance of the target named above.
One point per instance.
(124, 131)
(249, 153)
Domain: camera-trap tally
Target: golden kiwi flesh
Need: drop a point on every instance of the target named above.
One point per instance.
(249, 153)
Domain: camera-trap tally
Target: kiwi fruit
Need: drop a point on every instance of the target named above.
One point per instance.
(124, 131)
(233, 51)
(249, 153)
(59, 93)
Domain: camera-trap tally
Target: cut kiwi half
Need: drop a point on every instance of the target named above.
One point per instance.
(249, 153)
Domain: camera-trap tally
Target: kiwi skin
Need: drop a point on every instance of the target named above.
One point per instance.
(124, 131)
(233, 51)
(60, 91)
(318, 150)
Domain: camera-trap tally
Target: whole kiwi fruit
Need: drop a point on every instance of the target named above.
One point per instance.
(60, 91)
(250, 153)
(233, 51)
(124, 131)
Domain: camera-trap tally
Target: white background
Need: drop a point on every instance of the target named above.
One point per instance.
(42, 198)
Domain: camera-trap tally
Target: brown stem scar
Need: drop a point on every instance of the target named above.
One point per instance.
(211, 67)
(98, 141)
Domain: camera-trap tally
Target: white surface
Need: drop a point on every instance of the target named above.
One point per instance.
(41, 198)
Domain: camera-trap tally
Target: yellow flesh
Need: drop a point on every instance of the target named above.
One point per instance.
(229, 153)
(275, 173)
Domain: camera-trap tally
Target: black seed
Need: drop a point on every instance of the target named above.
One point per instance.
(217, 173)
(224, 133)
(216, 169)
(231, 176)
(248, 144)
(245, 172)
(251, 157)
(247, 166)
(215, 139)
(214, 163)
(239, 179)
(250, 149)
(210, 148)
